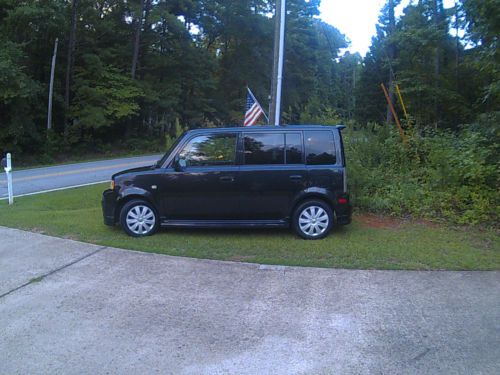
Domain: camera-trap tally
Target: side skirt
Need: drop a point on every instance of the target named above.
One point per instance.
(224, 223)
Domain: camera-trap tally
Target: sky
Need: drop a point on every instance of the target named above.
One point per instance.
(357, 19)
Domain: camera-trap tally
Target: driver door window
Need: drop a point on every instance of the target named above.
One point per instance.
(209, 150)
(205, 188)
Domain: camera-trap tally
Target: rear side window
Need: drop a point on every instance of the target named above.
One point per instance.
(320, 148)
(262, 148)
(293, 148)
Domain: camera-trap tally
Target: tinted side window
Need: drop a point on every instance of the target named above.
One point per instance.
(263, 148)
(293, 148)
(211, 149)
(320, 148)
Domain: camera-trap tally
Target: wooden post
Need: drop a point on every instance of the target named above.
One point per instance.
(394, 114)
(51, 86)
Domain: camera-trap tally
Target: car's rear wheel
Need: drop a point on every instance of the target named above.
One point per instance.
(313, 220)
(138, 218)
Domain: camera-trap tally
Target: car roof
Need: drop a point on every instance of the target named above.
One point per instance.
(260, 128)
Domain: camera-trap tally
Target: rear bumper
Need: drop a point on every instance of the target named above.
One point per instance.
(108, 203)
(344, 219)
(343, 212)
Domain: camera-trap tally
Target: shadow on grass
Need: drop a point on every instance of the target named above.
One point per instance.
(194, 232)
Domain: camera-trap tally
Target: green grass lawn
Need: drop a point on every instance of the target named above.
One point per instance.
(366, 244)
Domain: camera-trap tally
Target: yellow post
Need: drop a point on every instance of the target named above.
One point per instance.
(398, 91)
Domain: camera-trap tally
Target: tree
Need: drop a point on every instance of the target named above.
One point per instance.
(18, 96)
(71, 52)
(391, 53)
(424, 66)
(141, 22)
(154, 67)
(103, 96)
(483, 30)
(380, 67)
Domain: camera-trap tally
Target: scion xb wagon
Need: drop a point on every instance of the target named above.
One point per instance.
(261, 176)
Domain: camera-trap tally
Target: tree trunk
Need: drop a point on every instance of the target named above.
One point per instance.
(437, 63)
(391, 54)
(353, 110)
(457, 46)
(137, 39)
(71, 53)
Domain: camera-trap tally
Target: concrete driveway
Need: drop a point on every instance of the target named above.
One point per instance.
(99, 310)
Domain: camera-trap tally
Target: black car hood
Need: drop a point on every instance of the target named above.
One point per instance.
(133, 170)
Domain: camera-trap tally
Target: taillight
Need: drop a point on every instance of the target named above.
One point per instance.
(342, 200)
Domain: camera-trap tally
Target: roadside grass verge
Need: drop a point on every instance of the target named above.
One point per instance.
(23, 165)
(368, 243)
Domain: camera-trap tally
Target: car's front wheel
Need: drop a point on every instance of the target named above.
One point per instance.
(313, 220)
(138, 218)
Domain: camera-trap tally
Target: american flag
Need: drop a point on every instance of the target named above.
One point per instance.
(253, 110)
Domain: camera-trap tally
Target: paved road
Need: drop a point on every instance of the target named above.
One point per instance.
(100, 310)
(40, 179)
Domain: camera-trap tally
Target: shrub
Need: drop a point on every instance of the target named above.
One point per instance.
(438, 175)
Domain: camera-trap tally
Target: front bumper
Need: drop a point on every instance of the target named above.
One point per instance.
(108, 203)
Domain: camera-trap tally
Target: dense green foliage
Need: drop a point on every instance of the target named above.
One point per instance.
(140, 67)
(135, 73)
(453, 176)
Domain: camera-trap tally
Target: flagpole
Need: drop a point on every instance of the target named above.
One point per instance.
(279, 78)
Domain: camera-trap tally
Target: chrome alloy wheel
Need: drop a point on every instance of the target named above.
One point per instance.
(313, 221)
(141, 219)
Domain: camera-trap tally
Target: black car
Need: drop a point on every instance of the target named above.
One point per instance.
(261, 176)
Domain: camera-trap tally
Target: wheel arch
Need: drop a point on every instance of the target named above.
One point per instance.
(130, 197)
(313, 196)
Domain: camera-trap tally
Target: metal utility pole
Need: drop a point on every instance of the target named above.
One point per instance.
(279, 46)
(51, 86)
(272, 98)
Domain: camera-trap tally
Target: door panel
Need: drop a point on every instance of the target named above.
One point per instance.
(201, 193)
(204, 187)
(268, 191)
(268, 184)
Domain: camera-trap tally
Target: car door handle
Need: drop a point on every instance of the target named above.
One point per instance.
(296, 177)
(227, 178)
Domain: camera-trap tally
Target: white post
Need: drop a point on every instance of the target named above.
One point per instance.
(277, 115)
(8, 172)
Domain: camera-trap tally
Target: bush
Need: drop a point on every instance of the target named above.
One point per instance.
(438, 175)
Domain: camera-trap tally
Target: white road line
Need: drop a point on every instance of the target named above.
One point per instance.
(17, 179)
(57, 189)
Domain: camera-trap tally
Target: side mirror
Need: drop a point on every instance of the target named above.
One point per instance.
(179, 164)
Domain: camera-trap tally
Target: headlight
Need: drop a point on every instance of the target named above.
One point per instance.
(112, 185)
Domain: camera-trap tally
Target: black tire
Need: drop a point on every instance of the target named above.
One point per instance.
(318, 227)
(143, 213)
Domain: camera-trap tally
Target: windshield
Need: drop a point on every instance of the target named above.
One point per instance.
(160, 162)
